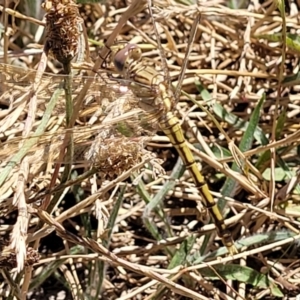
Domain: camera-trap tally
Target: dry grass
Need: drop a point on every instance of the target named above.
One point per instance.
(125, 223)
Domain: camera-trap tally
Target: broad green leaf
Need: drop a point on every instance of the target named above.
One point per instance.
(179, 259)
(293, 41)
(280, 174)
(220, 152)
(242, 274)
(181, 254)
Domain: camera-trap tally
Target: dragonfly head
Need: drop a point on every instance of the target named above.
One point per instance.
(123, 59)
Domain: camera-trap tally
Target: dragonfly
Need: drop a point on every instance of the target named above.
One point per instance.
(137, 104)
(164, 100)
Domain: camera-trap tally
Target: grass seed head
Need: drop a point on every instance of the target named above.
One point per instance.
(115, 156)
(63, 29)
(8, 258)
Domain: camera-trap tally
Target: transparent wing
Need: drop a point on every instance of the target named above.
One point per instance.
(111, 112)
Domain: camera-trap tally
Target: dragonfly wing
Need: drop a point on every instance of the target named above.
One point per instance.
(123, 121)
(112, 105)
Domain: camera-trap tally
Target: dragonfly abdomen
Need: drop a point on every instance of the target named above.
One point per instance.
(170, 125)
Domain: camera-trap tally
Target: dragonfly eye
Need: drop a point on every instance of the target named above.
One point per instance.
(125, 57)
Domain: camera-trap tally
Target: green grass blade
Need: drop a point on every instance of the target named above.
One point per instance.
(230, 185)
(151, 226)
(239, 123)
(97, 277)
(182, 253)
(179, 259)
(50, 268)
(30, 142)
(261, 238)
(160, 196)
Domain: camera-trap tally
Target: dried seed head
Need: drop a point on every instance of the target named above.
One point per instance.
(117, 155)
(63, 29)
(8, 258)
